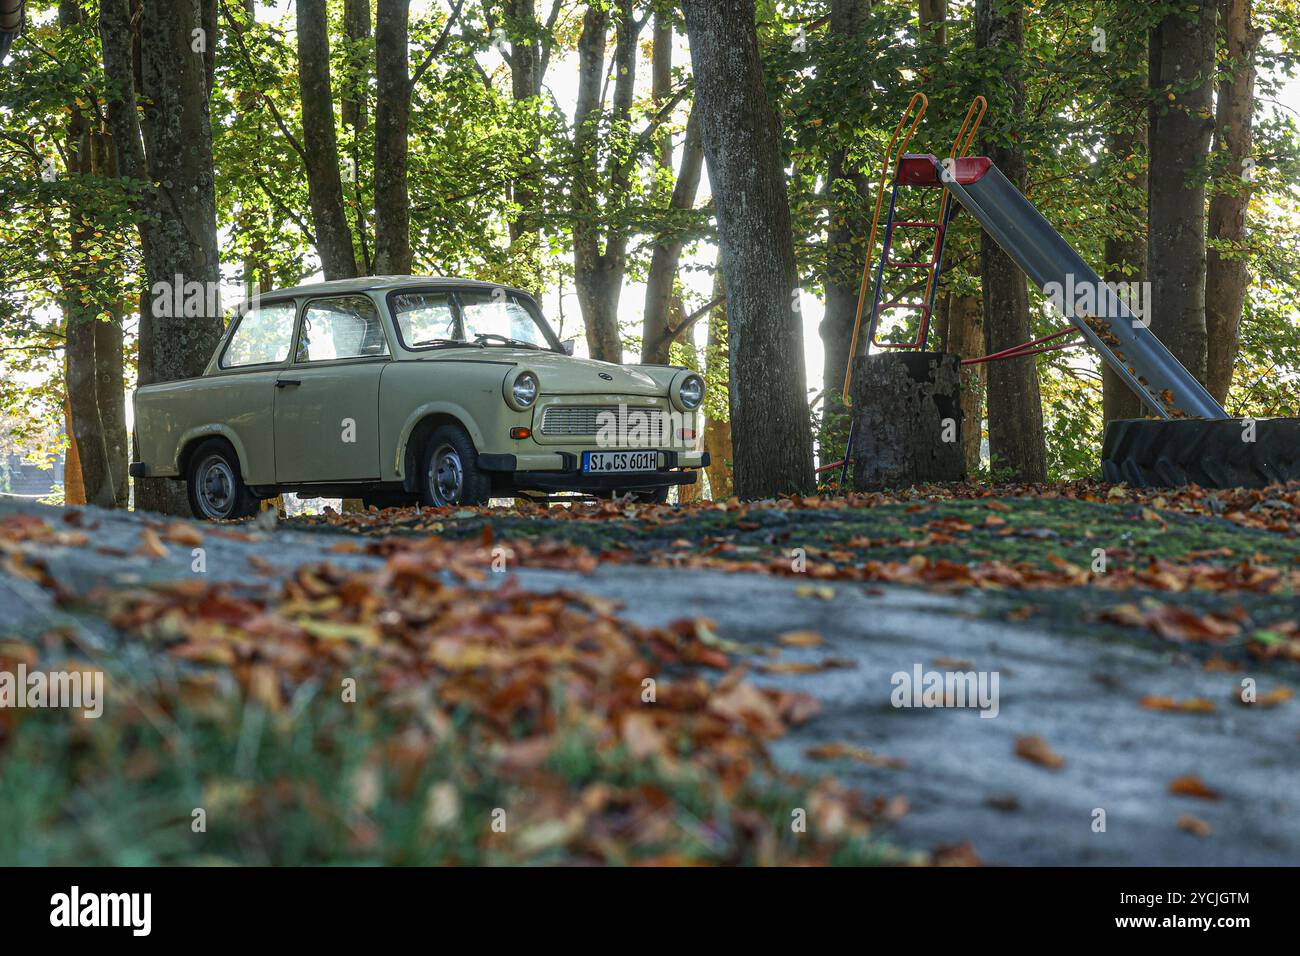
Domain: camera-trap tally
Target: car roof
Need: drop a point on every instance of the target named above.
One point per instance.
(381, 283)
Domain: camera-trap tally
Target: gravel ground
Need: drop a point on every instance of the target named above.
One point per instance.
(1075, 688)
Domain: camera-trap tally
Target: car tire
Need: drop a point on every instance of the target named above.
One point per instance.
(216, 489)
(1213, 453)
(449, 471)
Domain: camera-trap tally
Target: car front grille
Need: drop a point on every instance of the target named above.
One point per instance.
(582, 420)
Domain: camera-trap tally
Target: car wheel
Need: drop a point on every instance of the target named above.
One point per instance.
(216, 490)
(449, 472)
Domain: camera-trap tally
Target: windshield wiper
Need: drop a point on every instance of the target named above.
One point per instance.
(504, 340)
(438, 342)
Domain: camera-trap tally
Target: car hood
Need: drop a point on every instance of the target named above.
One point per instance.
(566, 375)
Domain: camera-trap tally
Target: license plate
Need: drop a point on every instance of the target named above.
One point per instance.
(602, 462)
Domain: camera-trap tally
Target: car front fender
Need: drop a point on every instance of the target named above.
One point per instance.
(419, 414)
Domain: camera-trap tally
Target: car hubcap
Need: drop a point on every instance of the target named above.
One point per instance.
(216, 487)
(446, 475)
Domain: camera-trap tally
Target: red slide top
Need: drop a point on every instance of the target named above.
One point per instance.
(917, 169)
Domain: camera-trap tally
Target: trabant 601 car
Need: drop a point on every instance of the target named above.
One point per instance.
(398, 389)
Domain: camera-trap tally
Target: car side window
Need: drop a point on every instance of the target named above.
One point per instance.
(425, 318)
(262, 336)
(341, 328)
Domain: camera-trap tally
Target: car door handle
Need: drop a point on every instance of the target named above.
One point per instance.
(286, 382)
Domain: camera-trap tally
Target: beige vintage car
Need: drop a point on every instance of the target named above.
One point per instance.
(397, 389)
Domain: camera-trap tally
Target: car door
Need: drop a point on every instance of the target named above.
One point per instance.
(240, 392)
(327, 399)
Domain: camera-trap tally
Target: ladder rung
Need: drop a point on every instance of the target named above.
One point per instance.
(917, 224)
(910, 265)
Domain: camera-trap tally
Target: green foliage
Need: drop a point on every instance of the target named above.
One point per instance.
(472, 144)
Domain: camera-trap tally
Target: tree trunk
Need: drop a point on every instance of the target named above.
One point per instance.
(1125, 166)
(965, 339)
(392, 118)
(178, 234)
(208, 22)
(110, 395)
(932, 16)
(324, 183)
(74, 489)
(847, 198)
(769, 404)
(660, 281)
(110, 371)
(1126, 254)
(1015, 411)
(81, 314)
(696, 362)
(963, 322)
(1181, 62)
(1226, 276)
(525, 86)
(598, 272)
(717, 430)
(355, 111)
(906, 420)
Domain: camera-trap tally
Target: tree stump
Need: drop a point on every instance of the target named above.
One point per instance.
(907, 420)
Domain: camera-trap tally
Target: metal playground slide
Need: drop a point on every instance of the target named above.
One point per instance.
(1124, 341)
(1191, 441)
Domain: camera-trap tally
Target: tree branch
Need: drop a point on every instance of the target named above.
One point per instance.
(672, 335)
(248, 62)
(439, 44)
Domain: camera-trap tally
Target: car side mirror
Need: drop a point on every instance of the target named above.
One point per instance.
(568, 345)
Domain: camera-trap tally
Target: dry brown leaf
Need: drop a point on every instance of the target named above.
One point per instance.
(1036, 750)
(1192, 705)
(151, 545)
(1194, 825)
(1191, 785)
(1277, 695)
(963, 854)
(641, 736)
(178, 532)
(748, 704)
(846, 751)
(800, 639)
(952, 664)
(807, 667)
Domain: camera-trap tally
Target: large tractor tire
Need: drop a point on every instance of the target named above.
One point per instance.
(1149, 453)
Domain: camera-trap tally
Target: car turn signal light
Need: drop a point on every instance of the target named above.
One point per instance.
(521, 431)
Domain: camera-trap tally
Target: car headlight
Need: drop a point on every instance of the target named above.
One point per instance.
(521, 390)
(687, 391)
(692, 392)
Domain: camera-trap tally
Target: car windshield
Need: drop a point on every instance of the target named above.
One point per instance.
(487, 317)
